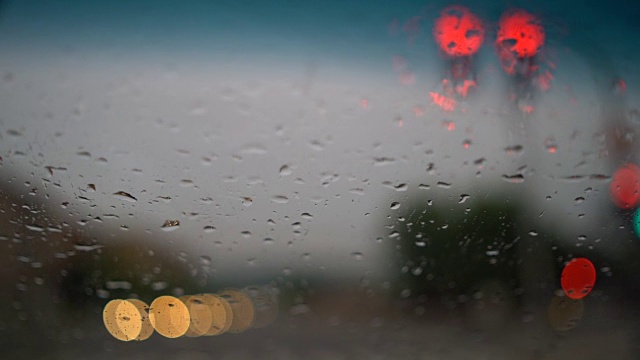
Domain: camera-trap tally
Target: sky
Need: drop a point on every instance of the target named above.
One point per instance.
(193, 107)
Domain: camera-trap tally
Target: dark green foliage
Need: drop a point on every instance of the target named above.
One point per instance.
(450, 248)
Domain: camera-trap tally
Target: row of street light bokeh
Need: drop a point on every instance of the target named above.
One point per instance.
(230, 311)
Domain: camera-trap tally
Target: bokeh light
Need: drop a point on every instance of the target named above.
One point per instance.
(578, 278)
(232, 311)
(265, 302)
(143, 309)
(169, 316)
(243, 309)
(565, 313)
(210, 314)
(127, 320)
(636, 222)
(521, 33)
(625, 186)
(520, 37)
(458, 31)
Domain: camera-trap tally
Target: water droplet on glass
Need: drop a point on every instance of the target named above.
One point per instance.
(159, 285)
(280, 199)
(285, 170)
(125, 196)
(357, 255)
(382, 161)
(247, 201)
(514, 150)
(480, 162)
(316, 145)
(254, 149)
(209, 229)
(444, 185)
(36, 228)
(550, 145)
(431, 168)
(515, 179)
(84, 154)
(463, 198)
(14, 133)
(187, 183)
(395, 205)
(86, 248)
(170, 225)
(205, 260)
(579, 199)
(307, 216)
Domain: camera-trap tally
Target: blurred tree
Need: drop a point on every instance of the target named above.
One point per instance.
(449, 250)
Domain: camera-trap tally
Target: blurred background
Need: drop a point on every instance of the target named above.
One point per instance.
(164, 147)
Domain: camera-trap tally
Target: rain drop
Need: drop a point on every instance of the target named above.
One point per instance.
(514, 150)
(285, 170)
(187, 183)
(444, 185)
(125, 196)
(205, 260)
(87, 248)
(515, 179)
(280, 199)
(170, 225)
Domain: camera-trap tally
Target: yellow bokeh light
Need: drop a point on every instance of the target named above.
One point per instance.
(232, 311)
(169, 316)
(127, 320)
(242, 308)
(265, 302)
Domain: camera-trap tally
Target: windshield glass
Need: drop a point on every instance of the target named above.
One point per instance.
(360, 179)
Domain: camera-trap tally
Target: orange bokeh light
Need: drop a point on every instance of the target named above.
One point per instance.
(625, 186)
(458, 31)
(578, 278)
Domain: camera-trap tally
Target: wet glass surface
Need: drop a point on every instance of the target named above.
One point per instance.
(421, 180)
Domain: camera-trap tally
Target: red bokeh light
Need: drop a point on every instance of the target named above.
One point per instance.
(578, 278)
(458, 31)
(625, 186)
(444, 102)
(520, 33)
